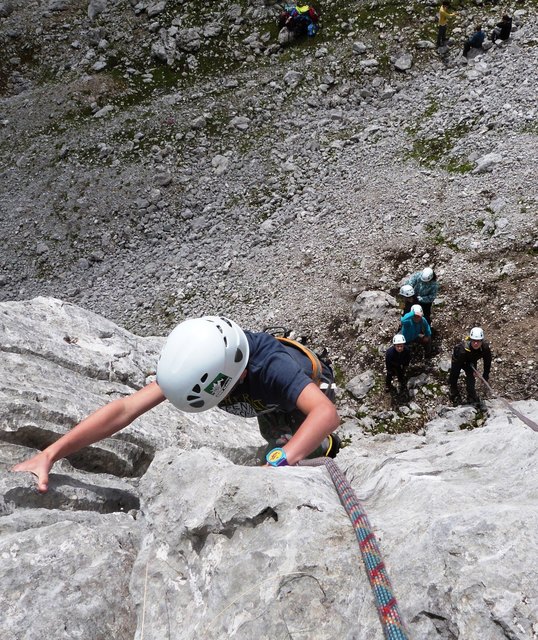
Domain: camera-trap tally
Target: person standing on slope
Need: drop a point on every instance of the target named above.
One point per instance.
(397, 359)
(407, 298)
(443, 17)
(465, 357)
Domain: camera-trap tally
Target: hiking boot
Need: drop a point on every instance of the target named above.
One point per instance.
(475, 401)
(333, 446)
(404, 394)
(454, 397)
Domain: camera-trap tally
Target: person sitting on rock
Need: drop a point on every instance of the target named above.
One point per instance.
(465, 356)
(502, 29)
(426, 287)
(208, 362)
(408, 298)
(397, 359)
(475, 41)
(416, 329)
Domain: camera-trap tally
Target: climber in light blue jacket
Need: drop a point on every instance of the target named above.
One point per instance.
(426, 286)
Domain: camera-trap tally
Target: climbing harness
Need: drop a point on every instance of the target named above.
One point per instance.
(326, 385)
(530, 423)
(387, 607)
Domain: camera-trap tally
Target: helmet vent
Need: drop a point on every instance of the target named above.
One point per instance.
(204, 378)
(196, 388)
(238, 356)
(191, 397)
(197, 405)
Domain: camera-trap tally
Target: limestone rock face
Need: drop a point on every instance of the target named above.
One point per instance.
(67, 575)
(60, 363)
(189, 539)
(256, 554)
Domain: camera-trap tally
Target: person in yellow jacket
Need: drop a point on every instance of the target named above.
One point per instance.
(444, 15)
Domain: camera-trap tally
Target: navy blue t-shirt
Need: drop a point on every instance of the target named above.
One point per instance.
(276, 376)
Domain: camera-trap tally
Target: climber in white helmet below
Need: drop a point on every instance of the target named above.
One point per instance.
(426, 286)
(407, 298)
(211, 362)
(397, 359)
(465, 357)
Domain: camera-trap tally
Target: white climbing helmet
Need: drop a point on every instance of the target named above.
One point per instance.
(398, 339)
(427, 274)
(417, 310)
(407, 291)
(201, 361)
(477, 333)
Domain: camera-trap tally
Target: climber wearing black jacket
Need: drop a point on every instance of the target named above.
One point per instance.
(465, 356)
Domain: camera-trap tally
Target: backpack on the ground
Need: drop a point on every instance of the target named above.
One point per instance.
(301, 20)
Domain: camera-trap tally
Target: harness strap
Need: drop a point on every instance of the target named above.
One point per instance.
(314, 360)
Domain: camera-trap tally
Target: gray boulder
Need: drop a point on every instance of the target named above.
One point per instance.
(359, 48)
(487, 162)
(404, 62)
(285, 36)
(155, 9)
(95, 8)
(220, 164)
(240, 122)
(189, 39)
(373, 305)
(360, 385)
(293, 78)
(6, 9)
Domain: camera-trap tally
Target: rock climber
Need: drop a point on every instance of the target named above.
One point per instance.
(465, 357)
(426, 287)
(415, 329)
(397, 359)
(209, 362)
(407, 298)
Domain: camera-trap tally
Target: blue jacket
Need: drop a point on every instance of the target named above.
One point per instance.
(411, 329)
(477, 39)
(425, 291)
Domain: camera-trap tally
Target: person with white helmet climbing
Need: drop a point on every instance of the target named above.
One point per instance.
(397, 359)
(465, 357)
(416, 329)
(426, 287)
(407, 298)
(208, 362)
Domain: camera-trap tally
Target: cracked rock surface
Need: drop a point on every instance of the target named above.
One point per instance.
(199, 542)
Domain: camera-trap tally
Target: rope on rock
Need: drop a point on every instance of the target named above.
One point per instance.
(530, 423)
(387, 607)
